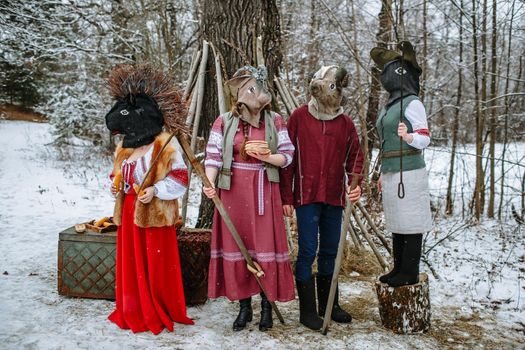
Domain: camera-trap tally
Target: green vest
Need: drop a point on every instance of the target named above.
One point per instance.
(387, 125)
(230, 125)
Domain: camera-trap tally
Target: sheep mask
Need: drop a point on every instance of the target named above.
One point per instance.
(326, 88)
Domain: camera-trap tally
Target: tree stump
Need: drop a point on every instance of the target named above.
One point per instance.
(405, 309)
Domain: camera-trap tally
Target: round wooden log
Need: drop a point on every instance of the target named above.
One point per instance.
(405, 309)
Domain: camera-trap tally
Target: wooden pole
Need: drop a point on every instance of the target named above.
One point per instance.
(191, 77)
(197, 116)
(353, 236)
(374, 227)
(289, 234)
(200, 95)
(291, 97)
(225, 217)
(286, 103)
(338, 260)
(259, 49)
(220, 85)
(369, 240)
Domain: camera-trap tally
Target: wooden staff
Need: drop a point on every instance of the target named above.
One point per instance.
(289, 234)
(339, 258)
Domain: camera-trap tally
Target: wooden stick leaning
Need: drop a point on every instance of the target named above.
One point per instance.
(371, 243)
(191, 77)
(374, 227)
(197, 117)
(338, 259)
(287, 91)
(353, 236)
(283, 97)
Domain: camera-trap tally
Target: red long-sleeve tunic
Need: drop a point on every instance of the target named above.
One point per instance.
(324, 152)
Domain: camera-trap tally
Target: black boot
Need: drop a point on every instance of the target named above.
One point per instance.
(397, 248)
(323, 290)
(245, 314)
(307, 308)
(409, 270)
(266, 314)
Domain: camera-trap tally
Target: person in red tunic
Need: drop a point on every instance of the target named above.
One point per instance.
(149, 291)
(328, 155)
(245, 149)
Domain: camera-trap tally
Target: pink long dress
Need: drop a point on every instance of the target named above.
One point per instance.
(255, 207)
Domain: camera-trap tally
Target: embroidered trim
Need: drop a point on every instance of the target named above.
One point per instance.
(424, 132)
(259, 256)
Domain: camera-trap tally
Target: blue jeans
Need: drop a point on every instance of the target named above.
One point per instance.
(317, 222)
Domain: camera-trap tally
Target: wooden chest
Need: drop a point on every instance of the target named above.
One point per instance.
(86, 264)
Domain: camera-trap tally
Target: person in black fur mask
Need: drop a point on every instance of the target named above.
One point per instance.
(407, 212)
(149, 291)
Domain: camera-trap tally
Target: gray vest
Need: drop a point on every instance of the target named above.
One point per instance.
(230, 126)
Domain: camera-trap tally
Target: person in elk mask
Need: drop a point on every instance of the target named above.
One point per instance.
(327, 156)
(406, 206)
(245, 149)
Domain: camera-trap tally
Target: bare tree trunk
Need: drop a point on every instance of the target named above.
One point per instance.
(483, 93)
(313, 43)
(425, 53)
(383, 36)
(478, 188)
(506, 122)
(492, 146)
(232, 27)
(449, 210)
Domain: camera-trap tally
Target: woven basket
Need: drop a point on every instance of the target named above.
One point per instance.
(194, 252)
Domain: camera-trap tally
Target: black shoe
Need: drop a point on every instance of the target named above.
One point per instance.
(245, 314)
(266, 314)
(409, 270)
(397, 247)
(307, 308)
(323, 290)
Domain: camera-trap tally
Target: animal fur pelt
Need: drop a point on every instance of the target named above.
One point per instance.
(156, 213)
(130, 80)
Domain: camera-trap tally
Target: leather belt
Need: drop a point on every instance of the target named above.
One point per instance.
(406, 152)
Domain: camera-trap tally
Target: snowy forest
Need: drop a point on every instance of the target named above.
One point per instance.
(55, 59)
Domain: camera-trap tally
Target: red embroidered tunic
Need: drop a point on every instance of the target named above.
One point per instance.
(324, 152)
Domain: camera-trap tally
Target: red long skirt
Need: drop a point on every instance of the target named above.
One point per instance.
(149, 292)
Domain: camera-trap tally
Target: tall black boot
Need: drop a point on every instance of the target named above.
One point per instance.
(245, 314)
(266, 314)
(307, 308)
(323, 290)
(409, 271)
(397, 252)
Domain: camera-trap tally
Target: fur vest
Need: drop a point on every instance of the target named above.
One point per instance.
(156, 213)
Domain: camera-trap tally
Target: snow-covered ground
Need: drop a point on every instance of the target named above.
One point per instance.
(477, 302)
